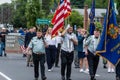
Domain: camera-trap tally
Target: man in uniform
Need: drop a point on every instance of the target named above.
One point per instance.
(37, 45)
(93, 59)
(67, 51)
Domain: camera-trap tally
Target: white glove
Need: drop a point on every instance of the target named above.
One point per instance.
(59, 33)
(68, 26)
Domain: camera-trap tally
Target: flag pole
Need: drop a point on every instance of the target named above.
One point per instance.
(108, 10)
(65, 23)
(85, 17)
(107, 20)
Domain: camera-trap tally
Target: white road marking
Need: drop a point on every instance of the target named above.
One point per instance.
(6, 77)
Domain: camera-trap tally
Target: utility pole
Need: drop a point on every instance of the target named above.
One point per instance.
(2, 14)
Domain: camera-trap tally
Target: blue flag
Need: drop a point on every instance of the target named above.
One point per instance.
(91, 16)
(109, 44)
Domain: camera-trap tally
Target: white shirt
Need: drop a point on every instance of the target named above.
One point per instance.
(67, 44)
(58, 39)
(50, 41)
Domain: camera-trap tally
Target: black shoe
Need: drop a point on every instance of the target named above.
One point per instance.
(77, 67)
(69, 79)
(57, 66)
(36, 79)
(63, 78)
(117, 78)
(5, 54)
(92, 78)
(104, 67)
(31, 65)
(44, 78)
(27, 64)
(24, 55)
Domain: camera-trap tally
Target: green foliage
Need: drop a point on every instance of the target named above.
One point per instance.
(98, 25)
(47, 6)
(97, 3)
(76, 19)
(118, 8)
(19, 19)
(5, 13)
(32, 12)
(27, 12)
(35, 11)
(77, 3)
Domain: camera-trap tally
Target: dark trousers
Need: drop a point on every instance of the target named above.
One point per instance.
(1, 48)
(50, 54)
(93, 61)
(57, 54)
(66, 63)
(118, 71)
(76, 60)
(36, 59)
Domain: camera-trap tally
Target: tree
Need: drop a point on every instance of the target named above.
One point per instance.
(76, 19)
(77, 3)
(98, 25)
(47, 6)
(97, 3)
(19, 19)
(5, 13)
(32, 12)
(118, 8)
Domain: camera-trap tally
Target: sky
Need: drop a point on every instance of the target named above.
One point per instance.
(4, 1)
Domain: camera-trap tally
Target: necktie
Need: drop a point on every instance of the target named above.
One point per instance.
(69, 45)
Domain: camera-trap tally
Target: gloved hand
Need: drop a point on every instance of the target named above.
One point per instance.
(68, 26)
(70, 36)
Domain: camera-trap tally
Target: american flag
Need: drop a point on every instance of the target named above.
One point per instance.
(21, 43)
(67, 8)
(62, 12)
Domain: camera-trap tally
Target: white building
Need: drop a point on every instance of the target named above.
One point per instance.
(99, 13)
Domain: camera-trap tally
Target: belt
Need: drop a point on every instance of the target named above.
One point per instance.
(67, 51)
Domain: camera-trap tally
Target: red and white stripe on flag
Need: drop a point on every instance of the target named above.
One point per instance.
(67, 8)
(61, 13)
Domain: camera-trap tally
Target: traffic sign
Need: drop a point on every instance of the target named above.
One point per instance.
(42, 21)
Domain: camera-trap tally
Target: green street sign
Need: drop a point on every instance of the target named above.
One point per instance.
(42, 21)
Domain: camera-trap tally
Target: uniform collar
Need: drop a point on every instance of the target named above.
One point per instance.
(38, 37)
